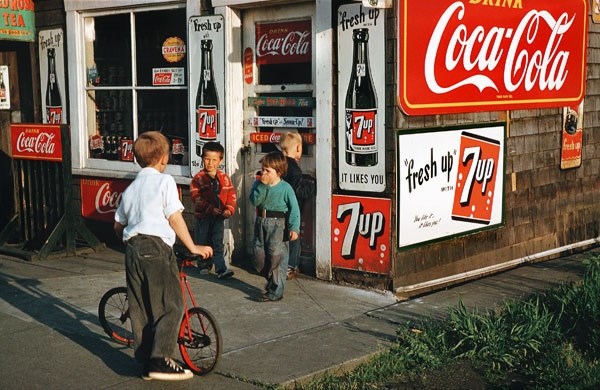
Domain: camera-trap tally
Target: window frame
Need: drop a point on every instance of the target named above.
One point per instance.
(82, 163)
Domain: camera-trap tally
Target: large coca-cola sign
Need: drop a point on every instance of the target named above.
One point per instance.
(36, 142)
(282, 43)
(479, 55)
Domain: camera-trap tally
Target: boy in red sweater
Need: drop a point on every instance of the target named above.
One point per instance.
(214, 201)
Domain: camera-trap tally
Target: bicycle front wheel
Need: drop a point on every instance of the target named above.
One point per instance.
(113, 312)
(200, 341)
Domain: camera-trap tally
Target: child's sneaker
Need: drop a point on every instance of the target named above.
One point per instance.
(167, 370)
(225, 274)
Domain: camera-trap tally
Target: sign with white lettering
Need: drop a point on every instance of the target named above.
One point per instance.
(167, 76)
(450, 182)
(360, 233)
(283, 43)
(477, 55)
(266, 137)
(36, 142)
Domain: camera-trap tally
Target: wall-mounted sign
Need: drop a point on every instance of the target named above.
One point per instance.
(167, 76)
(284, 42)
(52, 75)
(596, 11)
(248, 65)
(18, 20)
(36, 142)
(450, 182)
(101, 197)
(4, 88)
(490, 55)
(360, 233)
(281, 101)
(283, 121)
(572, 137)
(206, 67)
(273, 138)
(361, 93)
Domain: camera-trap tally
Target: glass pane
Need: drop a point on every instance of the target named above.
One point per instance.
(108, 50)
(166, 111)
(161, 47)
(111, 124)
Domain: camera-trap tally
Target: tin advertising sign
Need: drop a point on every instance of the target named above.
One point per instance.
(18, 20)
(36, 142)
(476, 55)
(283, 42)
(360, 237)
(572, 137)
(450, 182)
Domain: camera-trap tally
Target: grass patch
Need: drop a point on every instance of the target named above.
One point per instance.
(549, 340)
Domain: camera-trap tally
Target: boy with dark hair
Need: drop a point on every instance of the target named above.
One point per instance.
(214, 201)
(277, 213)
(148, 220)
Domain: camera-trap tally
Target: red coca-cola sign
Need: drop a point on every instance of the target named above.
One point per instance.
(283, 43)
(100, 198)
(36, 142)
(476, 55)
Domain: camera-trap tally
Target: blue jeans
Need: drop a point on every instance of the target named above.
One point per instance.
(154, 295)
(270, 253)
(209, 231)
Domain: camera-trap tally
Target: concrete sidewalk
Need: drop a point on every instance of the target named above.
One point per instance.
(50, 336)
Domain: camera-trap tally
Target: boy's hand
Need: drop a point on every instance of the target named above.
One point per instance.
(203, 251)
(226, 214)
(293, 235)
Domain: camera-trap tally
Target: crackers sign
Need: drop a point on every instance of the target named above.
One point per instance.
(479, 55)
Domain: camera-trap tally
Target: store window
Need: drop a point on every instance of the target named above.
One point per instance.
(136, 70)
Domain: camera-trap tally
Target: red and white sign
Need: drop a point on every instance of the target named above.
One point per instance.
(476, 55)
(450, 182)
(283, 43)
(36, 142)
(572, 137)
(360, 233)
(248, 65)
(266, 137)
(100, 198)
(167, 76)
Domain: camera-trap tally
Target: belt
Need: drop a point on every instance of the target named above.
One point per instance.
(264, 213)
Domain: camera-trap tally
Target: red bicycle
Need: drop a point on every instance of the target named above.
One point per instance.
(199, 335)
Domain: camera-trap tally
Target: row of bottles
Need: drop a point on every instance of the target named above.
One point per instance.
(114, 147)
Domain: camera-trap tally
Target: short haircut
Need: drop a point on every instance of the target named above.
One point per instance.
(150, 147)
(288, 140)
(213, 147)
(276, 161)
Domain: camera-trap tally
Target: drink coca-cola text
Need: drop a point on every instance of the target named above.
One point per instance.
(294, 43)
(544, 69)
(41, 143)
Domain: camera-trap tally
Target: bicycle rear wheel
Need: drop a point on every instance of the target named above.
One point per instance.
(113, 312)
(200, 341)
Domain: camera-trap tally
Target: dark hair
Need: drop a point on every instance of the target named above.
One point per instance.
(213, 147)
(277, 161)
(150, 147)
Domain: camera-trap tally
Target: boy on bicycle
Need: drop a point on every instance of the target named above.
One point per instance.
(148, 220)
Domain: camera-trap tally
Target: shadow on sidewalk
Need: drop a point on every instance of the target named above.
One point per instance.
(66, 319)
(232, 282)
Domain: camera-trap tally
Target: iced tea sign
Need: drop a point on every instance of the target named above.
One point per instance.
(450, 182)
(478, 55)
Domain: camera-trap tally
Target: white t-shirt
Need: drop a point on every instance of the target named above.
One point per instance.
(147, 204)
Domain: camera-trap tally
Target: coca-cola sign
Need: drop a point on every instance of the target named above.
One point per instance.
(283, 43)
(100, 198)
(476, 55)
(36, 142)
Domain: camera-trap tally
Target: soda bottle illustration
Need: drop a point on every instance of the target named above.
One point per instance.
(2, 88)
(53, 100)
(207, 100)
(361, 106)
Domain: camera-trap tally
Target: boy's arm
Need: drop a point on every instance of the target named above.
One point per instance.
(230, 197)
(119, 230)
(294, 216)
(258, 193)
(179, 226)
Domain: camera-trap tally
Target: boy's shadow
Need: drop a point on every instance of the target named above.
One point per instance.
(65, 318)
(233, 282)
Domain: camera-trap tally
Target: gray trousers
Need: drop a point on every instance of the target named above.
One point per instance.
(154, 294)
(270, 253)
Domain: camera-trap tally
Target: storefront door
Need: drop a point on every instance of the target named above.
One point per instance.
(278, 93)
